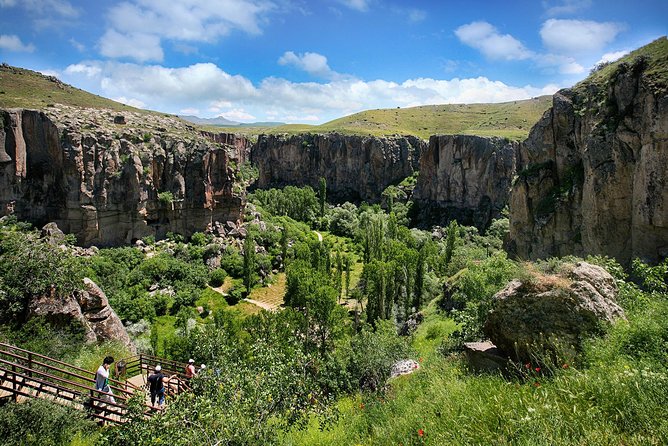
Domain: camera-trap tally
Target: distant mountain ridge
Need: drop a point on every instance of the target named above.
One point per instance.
(223, 122)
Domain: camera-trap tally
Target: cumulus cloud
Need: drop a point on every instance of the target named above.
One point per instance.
(12, 42)
(83, 68)
(183, 21)
(564, 7)
(313, 63)
(206, 87)
(130, 101)
(613, 56)
(578, 36)
(358, 5)
(237, 114)
(486, 38)
(139, 46)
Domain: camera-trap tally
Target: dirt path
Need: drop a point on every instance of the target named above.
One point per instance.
(263, 305)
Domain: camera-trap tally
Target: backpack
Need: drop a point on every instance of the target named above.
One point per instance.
(155, 382)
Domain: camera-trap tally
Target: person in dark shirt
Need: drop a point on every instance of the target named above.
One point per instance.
(156, 382)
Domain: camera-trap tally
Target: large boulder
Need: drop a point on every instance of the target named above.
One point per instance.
(88, 307)
(552, 311)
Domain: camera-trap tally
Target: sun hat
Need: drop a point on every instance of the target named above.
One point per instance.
(158, 368)
(191, 361)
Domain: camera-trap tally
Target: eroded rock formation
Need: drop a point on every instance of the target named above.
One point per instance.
(594, 171)
(552, 311)
(465, 178)
(88, 307)
(109, 183)
(355, 167)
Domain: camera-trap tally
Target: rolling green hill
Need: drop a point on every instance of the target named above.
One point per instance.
(509, 119)
(23, 88)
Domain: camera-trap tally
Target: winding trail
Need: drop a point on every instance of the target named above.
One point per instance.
(263, 305)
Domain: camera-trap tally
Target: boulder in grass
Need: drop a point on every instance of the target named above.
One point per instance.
(552, 311)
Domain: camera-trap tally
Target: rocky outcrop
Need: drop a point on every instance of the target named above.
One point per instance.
(88, 307)
(109, 183)
(464, 178)
(355, 167)
(594, 171)
(552, 311)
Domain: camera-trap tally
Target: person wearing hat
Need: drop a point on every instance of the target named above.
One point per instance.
(190, 369)
(156, 383)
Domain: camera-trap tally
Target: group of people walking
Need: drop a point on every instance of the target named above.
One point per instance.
(158, 382)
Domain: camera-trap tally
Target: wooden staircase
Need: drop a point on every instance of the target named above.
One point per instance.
(25, 375)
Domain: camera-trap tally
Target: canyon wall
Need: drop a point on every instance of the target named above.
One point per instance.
(465, 178)
(593, 174)
(355, 167)
(111, 179)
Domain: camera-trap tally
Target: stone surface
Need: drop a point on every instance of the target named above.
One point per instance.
(594, 171)
(465, 178)
(102, 181)
(411, 324)
(550, 310)
(403, 367)
(53, 234)
(484, 357)
(88, 307)
(355, 167)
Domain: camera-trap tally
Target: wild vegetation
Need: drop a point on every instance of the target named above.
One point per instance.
(318, 370)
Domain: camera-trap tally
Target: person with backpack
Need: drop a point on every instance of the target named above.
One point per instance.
(156, 382)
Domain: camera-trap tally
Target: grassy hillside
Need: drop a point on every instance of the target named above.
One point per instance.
(509, 119)
(655, 56)
(21, 88)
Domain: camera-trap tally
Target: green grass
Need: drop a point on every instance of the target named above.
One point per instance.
(510, 120)
(616, 396)
(21, 88)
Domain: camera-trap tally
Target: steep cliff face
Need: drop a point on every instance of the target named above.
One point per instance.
(594, 170)
(355, 167)
(467, 178)
(109, 183)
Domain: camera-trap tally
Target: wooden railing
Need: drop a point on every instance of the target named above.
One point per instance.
(145, 364)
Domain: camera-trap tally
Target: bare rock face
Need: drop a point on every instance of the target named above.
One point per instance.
(109, 183)
(552, 310)
(593, 174)
(88, 307)
(355, 167)
(465, 178)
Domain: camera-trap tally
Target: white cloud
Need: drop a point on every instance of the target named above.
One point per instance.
(189, 111)
(207, 87)
(485, 38)
(139, 46)
(44, 7)
(358, 5)
(50, 73)
(82, 68)
(130, 101)
(416, 15)
(78, 45)
(564, 64)
(12, 42)
(564, 7)
(611, 57)
(313, 63)
(578, 36)
(183, 21)
(237, 114)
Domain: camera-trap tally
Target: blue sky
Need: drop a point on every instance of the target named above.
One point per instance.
(312, 61)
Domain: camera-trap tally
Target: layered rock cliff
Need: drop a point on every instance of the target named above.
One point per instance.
(465, 178)
(110, 179)
(355, 167)
(594, 170)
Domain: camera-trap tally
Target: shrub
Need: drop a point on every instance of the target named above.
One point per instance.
(217, 277)
(39, 422)
(165, 198)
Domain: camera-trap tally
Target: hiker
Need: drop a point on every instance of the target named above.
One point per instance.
(102, 379)
(190, 370)
(157, 382)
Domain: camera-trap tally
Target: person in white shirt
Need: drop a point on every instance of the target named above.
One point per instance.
(102, 379)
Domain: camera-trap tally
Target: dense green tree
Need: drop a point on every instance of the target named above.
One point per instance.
(322, 195)
(249, 263)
